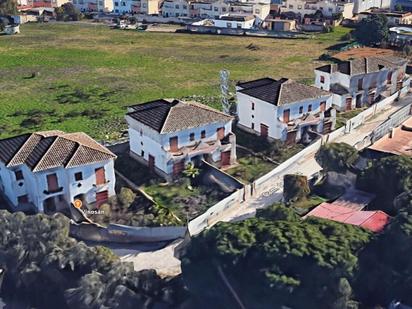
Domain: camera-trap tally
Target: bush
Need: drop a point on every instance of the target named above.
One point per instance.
(337, 157)
(296, 188)
(126, 197)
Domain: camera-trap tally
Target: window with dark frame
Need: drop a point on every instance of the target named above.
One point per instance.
(309, 107)
(19, 175)
(78, 176)
(203, 134)
(322, 79)
(301, 110)
(192, 137)
(23, 199)
(253, 106)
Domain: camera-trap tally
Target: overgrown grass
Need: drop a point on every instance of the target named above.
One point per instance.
(341, 118)
(89, 73)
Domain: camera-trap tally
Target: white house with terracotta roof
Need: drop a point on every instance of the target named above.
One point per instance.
(361, 82)
(51, 169)
(284, 109)
(167, 134)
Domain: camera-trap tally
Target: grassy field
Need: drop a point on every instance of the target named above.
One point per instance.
(87, 74)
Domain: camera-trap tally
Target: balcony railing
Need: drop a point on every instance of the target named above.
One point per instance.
(52, 191)
(101, 184)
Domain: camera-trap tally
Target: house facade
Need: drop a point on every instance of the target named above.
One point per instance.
(284, 109)
(361, 82)
(175, 8)
(394, 18)
(136, 6)
(234, 21)
(94, 5)
(328, 8)
(168, 134)
(46, 171)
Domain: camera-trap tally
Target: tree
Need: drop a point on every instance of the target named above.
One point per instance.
(48, 269)
(296, 188)
(387, 178)
(372, 30)
(398, 8)
(68, 12)
(8, 7)
(336, 157)
(126, 197)
(191, 171)
(277, 259)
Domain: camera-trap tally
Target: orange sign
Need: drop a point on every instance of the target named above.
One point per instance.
(77, 203)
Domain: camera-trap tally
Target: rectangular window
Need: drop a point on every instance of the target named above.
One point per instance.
(309, 107)
(192, 136)
(253, 106)
(253, 126)
(220, 133)
(203, 134)
(19, 175)
(301, 110)
(177, 6)
(216, 9)
(229, 25)
(52, 184)
(360, 84)
(322, 79)
(78, 176)
(142, 154)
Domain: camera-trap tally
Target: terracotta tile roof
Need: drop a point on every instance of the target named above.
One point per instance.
(398, 142)
(45, 150)
(172, 116)
(374, 221)
(281, 92)
(363, 65)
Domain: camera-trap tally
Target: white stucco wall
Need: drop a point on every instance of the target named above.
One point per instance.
(34, 184)
(271, 115)
(158, 145)
(233, 24)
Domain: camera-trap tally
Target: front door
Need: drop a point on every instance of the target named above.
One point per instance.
(264, 130)
(178, 167)
(102, 197)
(225, 158)
(348, 104)
(286, 115)
(100, 176)
(151, 162)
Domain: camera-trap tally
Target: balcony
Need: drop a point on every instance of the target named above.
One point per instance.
(53, 191)
(101, 185)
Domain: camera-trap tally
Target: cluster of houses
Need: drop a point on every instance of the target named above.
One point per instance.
(50, 170)
(277, 15)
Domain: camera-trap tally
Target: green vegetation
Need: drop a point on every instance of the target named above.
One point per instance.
(372, 30)
(336, 157)
(85, 74)
(45, 268)
(276, 260)
(257, 156)
(8, 7)
(68, 12)
(296, 188)
(342, 117)
(387, 178)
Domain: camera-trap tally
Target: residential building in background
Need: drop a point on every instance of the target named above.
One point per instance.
(149, 7)
(168, 134)
(234, 21)
(284, 109)
(94, 5)
(46, 171)
(27, 4)
(364, 5)
(361, 82)
(328, 8)
(175, 8)
(394, 18)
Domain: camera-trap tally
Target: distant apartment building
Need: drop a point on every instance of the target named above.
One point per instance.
(234, 21)
(214, 9)
(364, 5)
(360, 82)
(175, 8)
(168, 134)
(394, 18)
(27, 4)
(46, 171)
(93, 5)
(136, 6)
(284, 109)
(310, 7)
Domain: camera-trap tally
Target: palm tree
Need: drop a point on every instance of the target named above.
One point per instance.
(191, 171)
